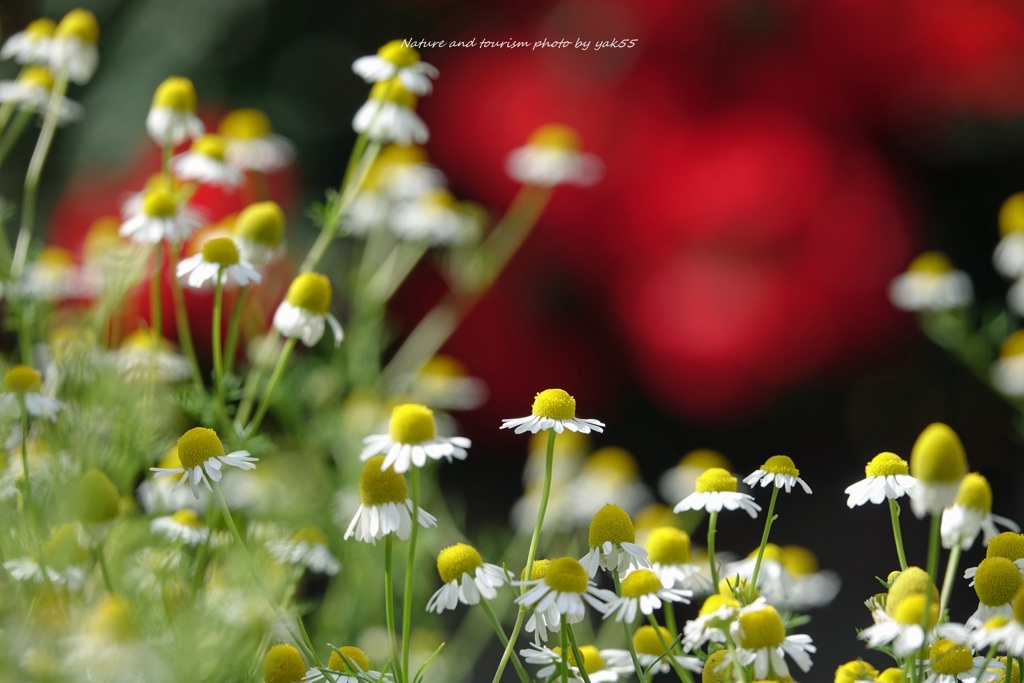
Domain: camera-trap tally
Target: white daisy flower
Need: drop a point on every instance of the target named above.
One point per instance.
(553, 409)
(778, 470)
(902, 630)
(443, 383)
(761, 640)
(403, 172)
(997, 581)
(172, 116)
(774, 581)
(305, 308)
(466, 578)
(1006, 633)
(668, 551)
(951, 663)
(184, 525)
(389, 115)
(888, 477)
(552, 157)
(144, 356)
(1008, 257)
(651, 653)
(712, 621)
(550, 661)
(611, 540)
(73, 47)
(202, 456)
(1007, 372)
(347, 665)
(251, 144)
(23, 392)
(561, 594)
(715, 490)
(32, 92)
(938, 463)
(1007, 544)
(813, 587)
(205, 162)
(1015, 297)
(931, 284)
(54, 275)
(680, 481)
(412, 439)
(643, 591)
(971, 513)
(396, 59)
(608, 475)
(437, 219)
(385, 507)
(32, 44)
(259, 232)
(308, 548)
(219, 260)
(161, 217)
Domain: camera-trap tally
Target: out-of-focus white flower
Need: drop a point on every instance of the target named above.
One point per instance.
(396, 59)
(931, 283)
(305, 309)
(251, 144)
(552, 157)
(172, 117)
(31, 45)
(74, 46)
(205, 162)
(390, 115)
(32, 92)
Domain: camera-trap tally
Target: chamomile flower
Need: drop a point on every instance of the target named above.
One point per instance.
(23, 394)
(651, 653)
(259, 232)
(305, 308)
(162, 217)
(404, 172)
(202, 456)
(996, 581)
(54, 275)
(251, 143)
(218, 260)
(395, 59)
(938, 463)
(283, 663)
(205, 162)
(1008, 371)
(888, 477)
(466, 578)
(172, 116)
(901, 629)
(384, 506)
(1005, 631)
(773, 579)
(949, 662)
(761, 640)
(144, 356)
(712, 621)
(715, 490)
(1006, 544)
(553, 409)
(550, 661)
(813, 586)
(435, 218)
(1008, 257)
(679, 482)
(552, 157)
(412, 439)
(931, 284)
(562, 594)
(444, 383)
(73, 47)
(643, 591)
(389, 115)
(184, 526)
(32, 44)
(608, 475)
(612, 543)
(779, 471)
(970, 513)
(856, 671)
(347, 664)
(31, 92)
(309, 548)
(668, 551)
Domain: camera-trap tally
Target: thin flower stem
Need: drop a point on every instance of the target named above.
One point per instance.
(181, 318)
(26, 479)
(13, 134)
(894, 512)
(670, 620)
(682, 673)
(565, 653)
(531, 554)
(580, 661)
(389, 603)
(218, 360)
(155, 295)
(929, 591)
(524, 677)
(234, 325)
(104, 570)
(947, 582)
(764, 542)
(414, 495)
(274, 379)
(629, 635)
(712, 521)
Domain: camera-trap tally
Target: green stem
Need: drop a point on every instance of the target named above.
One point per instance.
(155, 295)
(218, 359)
(565, 653)
(576, 653)
(764, 542)
(947, 582)
(26, 479)
(929, 592)
(13, 134)
(682, 673)
(629, 635)
(181, 318)
(274, 379)
(670, 619)
(389, 603)
(712, 521)
(524, 677)
(894, 513)
(234, 329)
(414, 495)
(101, 560)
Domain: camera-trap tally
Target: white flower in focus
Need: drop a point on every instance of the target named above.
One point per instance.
(305, 309)
(202, 457)
(561, 594)
(931, 284)
(715, 490)
(384, 505)
(172, 117)
(888, 477)
(778, 470)
(466, 577)
(902, 630)
(552, 157)
(219, 259)
(389, 115)
(761, 640)
(412, 439)
(668, 551)
(680, 481)
(251, 144)
(997, 581)
(971, 513)
(205, 163)
(712, 621)
(397, 60)
(643, 591)
(612, 543)
(553, 409)
(949, 662)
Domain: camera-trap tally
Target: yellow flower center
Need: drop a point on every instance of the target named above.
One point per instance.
(772, 552)
(798, 560)
(886, 465)
(176, 93)
(159, 203)
(1006, 544)
(95, 498)
(646, 642)
(55, 257)
(931, 263)
(857, 670)
(975, 493)
(244, 124)
(554, 404)
(220, 250)
(711, 673)
(611, 524)
(412, 423)
(715, 479)
(948, 658)
(612, 460)
(283, 664)
(780, 464)
(38, 76)
(538, 571)
(393, 91)
(356, 658)
(109, 619)
(703, 458)
(401, 155)
(397, 53)
(910, 611)
(310, 292)
(566, 575)
(198, 445)
(996, 581)
(377, 487)
(733, 586)
(1010, 665)
(668, 545)
(592, 659)
(640, 582)
(210, 145)
(81, 24)
(187, 517)
(262, 223)
(41, 28)
(170, 458)
(910, 581)
(556, 136)
(456, 560)
(312, 535)
(995, 622)
(21, 379)
(891, 675)
(1011, 214)
(717, 601)
(760, 629)
(938, 456)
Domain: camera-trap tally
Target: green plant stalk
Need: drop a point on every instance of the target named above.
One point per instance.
(218, 361)
(104, 570)
(414, 495)
(629, 636)
(181, 318)
(947, 582)
(670, 620)
(894, 513)
(764, 542)
(234, 331)
(565, 653)
(712, 521)
(24, 468)
(576, 653)
(155, 295)
(524, 677)
(274, 379)
(7, 108)
(549, 460)
(26, 313)
(929, 592)
(389, 603)
(13, 134)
